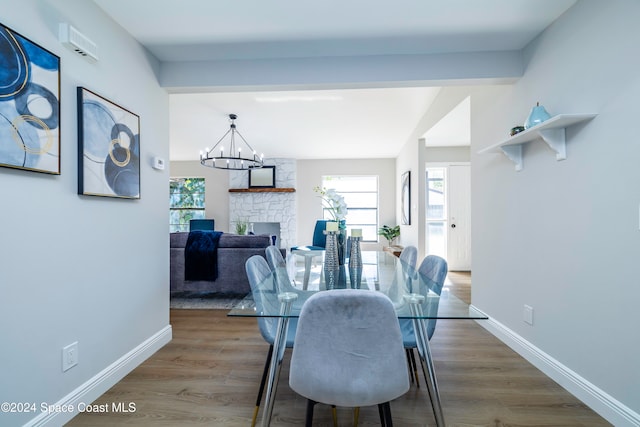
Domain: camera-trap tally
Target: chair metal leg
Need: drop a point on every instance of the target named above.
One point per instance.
(334, 412)
(262, 382)
(356, 416)
(387, 414)
(381, 414)
(308, 421)
(406, 352)
(415, 367)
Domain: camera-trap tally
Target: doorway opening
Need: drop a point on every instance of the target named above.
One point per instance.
(448, 213)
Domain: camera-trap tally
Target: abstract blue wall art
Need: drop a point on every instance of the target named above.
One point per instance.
(29, 105)
(108, 148)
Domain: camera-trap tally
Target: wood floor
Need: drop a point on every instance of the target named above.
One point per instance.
(209, 375)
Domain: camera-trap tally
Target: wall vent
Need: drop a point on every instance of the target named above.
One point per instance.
(77, 42)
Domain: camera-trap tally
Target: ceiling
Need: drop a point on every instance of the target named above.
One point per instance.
(346, 123)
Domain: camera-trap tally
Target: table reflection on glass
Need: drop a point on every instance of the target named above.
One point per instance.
(411, 293)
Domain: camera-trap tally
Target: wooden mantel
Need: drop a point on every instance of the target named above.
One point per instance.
(262, 190)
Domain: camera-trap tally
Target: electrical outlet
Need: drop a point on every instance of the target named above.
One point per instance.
(527, 315)
(69, 356)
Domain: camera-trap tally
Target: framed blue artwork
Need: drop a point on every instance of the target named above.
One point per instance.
(108, 148)
(29, 105)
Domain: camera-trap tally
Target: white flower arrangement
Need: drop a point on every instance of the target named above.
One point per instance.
(333, 202)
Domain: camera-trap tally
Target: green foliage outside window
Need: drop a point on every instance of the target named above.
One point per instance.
(186, 202)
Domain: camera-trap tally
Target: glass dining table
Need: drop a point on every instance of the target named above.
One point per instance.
(415, 298)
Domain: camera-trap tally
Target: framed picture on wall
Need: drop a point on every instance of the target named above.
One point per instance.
(405, 207)
(264, 177)
(108, 148)
(29, 105)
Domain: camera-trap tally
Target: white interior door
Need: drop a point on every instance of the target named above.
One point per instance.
(448, 228)
(459, 209)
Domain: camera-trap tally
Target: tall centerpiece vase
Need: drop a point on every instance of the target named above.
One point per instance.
(342, 241)
(331, 264)
(355, 263)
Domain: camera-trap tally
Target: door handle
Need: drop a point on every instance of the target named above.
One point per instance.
(453, 226)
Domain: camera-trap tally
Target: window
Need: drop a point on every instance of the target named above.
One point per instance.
(436, 213)
(186, 202)
(361, 195)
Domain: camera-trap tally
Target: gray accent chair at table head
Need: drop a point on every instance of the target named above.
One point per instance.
(349, 352)
(258, 272)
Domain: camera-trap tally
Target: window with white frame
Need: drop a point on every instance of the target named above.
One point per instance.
(361, 196)
(186, 202)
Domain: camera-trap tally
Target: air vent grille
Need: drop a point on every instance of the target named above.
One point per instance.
(78, 42)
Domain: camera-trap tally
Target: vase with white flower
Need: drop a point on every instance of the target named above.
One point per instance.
(334, 204)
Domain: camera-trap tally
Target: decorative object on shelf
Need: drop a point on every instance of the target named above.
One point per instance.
(331, 264)
(264, 177)
(241, 227)
(355, 259)
(389, 233)
(552, 132)
(516, 130)
(30, 105)
(231, 157)
(108, 148)
(406, 198)
(538, 115)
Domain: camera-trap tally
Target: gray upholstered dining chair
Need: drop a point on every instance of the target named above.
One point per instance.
(349, 352)
(434, 269)
(409, 258)
(278, 266)
(274, 257)
(257, 272)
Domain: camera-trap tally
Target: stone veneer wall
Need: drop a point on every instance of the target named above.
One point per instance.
(267, 207)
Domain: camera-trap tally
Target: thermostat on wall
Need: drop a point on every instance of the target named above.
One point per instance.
(158, 163)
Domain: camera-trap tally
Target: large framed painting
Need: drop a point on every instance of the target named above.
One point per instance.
(108, 148)
(29, 105)
(406, 198)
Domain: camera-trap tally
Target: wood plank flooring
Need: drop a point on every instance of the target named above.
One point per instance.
(209, 375)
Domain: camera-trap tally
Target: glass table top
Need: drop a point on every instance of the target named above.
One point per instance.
(380, 272)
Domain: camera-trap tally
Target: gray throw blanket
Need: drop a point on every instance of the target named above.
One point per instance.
(200, 255)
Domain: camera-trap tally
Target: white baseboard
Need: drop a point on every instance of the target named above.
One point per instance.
(103, 381)
(601, 402)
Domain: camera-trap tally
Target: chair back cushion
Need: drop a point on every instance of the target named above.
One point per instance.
(257, 272)
(274, 257)
(348, 349)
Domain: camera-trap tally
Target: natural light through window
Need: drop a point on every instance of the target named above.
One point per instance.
(186, 202)
(361, 195)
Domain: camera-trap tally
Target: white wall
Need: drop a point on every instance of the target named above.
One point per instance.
(310, 174)
(78, 268)
(563, 237)
(216, 192)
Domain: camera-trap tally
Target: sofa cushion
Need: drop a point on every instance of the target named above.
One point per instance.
(179, 239)
(228, 240)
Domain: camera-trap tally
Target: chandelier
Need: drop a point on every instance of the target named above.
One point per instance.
(231, 157)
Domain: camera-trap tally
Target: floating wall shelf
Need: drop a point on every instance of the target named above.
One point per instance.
(262, 190)
(551, 131)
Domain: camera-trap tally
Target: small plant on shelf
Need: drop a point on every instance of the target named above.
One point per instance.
(241, 226)
(389, 233)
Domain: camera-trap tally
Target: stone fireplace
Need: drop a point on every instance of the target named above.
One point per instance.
(260, 206)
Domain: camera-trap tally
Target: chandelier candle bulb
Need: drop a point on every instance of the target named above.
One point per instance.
(356, 232)
(332, 226)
